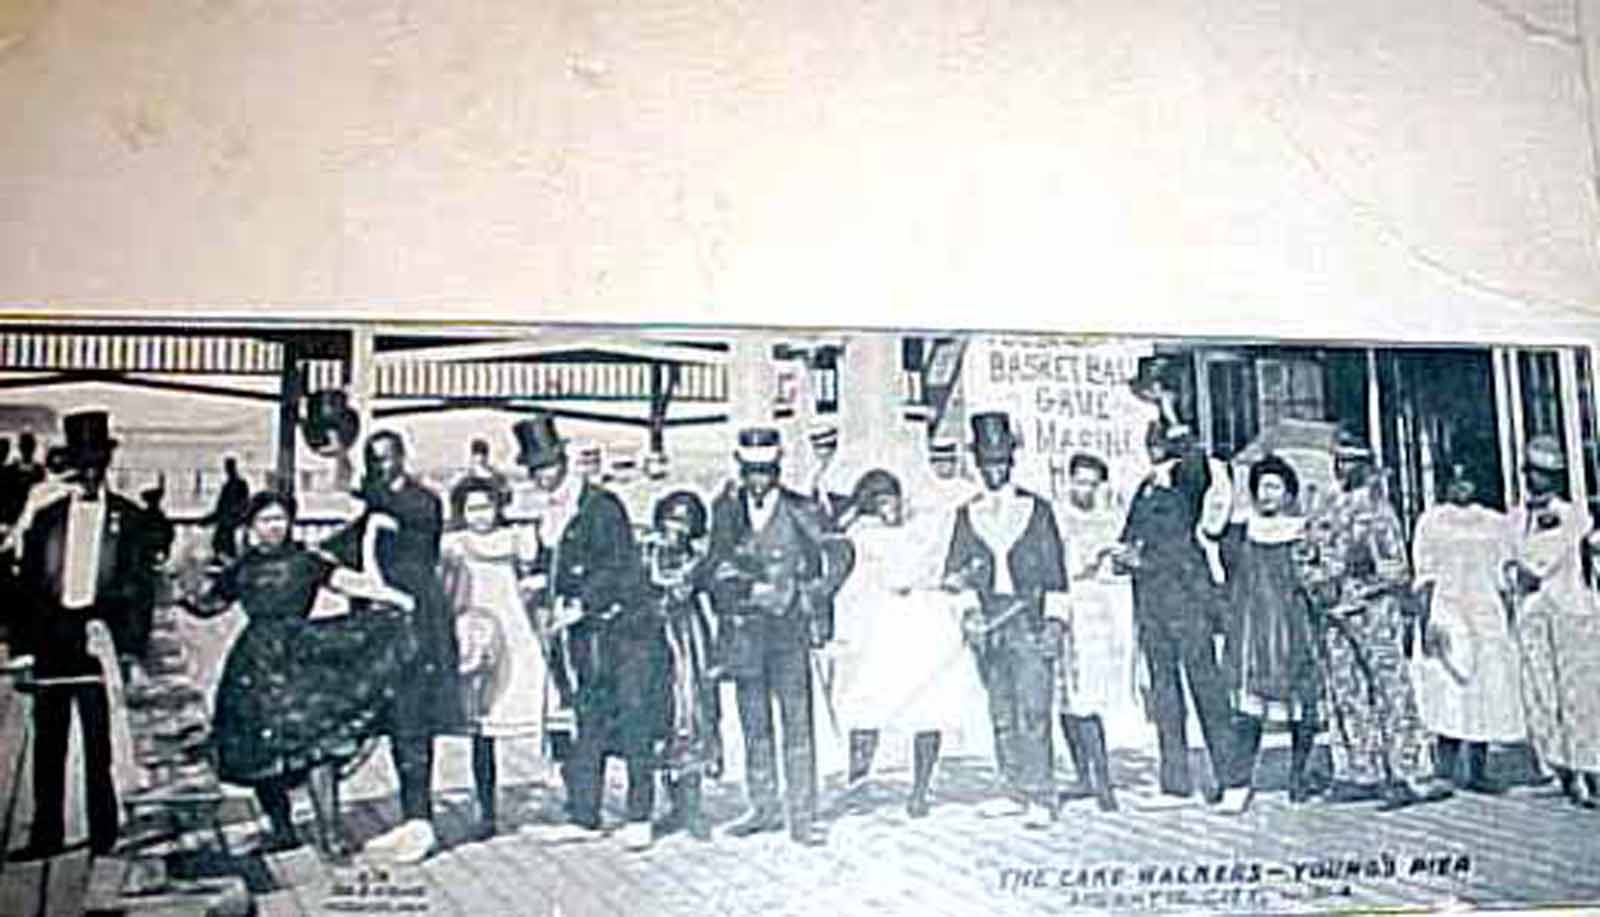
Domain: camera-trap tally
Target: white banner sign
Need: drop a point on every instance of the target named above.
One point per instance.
(1065, 396)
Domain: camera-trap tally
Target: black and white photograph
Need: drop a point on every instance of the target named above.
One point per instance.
(684, 457)
(656, 620)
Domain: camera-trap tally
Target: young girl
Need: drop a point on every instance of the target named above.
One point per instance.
(905, 668)
(693, 749)
(502, 662)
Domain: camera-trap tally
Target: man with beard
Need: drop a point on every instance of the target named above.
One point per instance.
(1006, 547)
(588, 585)
(409, 519)
(768, 591)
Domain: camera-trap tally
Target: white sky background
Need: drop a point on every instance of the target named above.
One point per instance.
(1361, 169)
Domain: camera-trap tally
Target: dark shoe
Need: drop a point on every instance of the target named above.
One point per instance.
(917, 807)
(483, 831)
(756, 823)
(1077, 789)
(805, 835)
(670, 823)
(1398, 796)
(1483, 786)
(280, 841)
(1350, 792)
(34, 852)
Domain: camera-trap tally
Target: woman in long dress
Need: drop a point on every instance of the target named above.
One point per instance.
(1468, 679)
(1355, 569)
(298, 697)
(502, 662)
(1271, 642)
(692, 749)
(906, 671)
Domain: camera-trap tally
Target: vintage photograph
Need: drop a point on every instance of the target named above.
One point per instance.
(582, 620)
(808, 457)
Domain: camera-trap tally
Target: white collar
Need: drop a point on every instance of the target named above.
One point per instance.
(78, 496)
(1278, 529)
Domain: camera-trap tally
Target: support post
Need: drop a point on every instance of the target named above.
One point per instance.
(290, 388)
(1567, 370)
(664, 378)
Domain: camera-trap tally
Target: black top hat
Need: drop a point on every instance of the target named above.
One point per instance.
(759, 446)
(89, 439)
(538, 444)
(329, 422)
(991, 435)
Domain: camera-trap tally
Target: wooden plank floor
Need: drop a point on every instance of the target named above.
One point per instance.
(1524, 848)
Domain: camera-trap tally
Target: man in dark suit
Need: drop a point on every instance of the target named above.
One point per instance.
(770, 594)
(1006, 548)
(588, 587)
(410, 520)
(86, 556)
(1177, 609)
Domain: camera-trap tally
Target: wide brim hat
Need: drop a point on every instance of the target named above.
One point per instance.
(992, 436)
(944, 447)
(538, 444)
(329, 423)
(88, 439)
(759, 447)
(1544, 453)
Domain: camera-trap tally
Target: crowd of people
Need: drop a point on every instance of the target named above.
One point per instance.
(532, 607)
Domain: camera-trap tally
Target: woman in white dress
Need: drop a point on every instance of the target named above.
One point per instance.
(1468, 674)
(502, 660)
(905, 669)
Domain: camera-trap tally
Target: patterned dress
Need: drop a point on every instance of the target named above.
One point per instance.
(1354, 564)
(693, 742)
(296, 693)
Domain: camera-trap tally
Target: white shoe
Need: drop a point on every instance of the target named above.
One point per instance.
(390, 839)
(637, 836)
(1004, 807)
(417, 846)
(564, 833)
(1035, 816)
(1235, 801)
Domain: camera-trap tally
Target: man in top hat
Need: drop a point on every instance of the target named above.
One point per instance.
(1006, 547)
(1177, 610)
(830, 500)
(228, 513)
(771, 591)
(409, 521)
(1542, 580)
(587, 585)
(86, 557)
